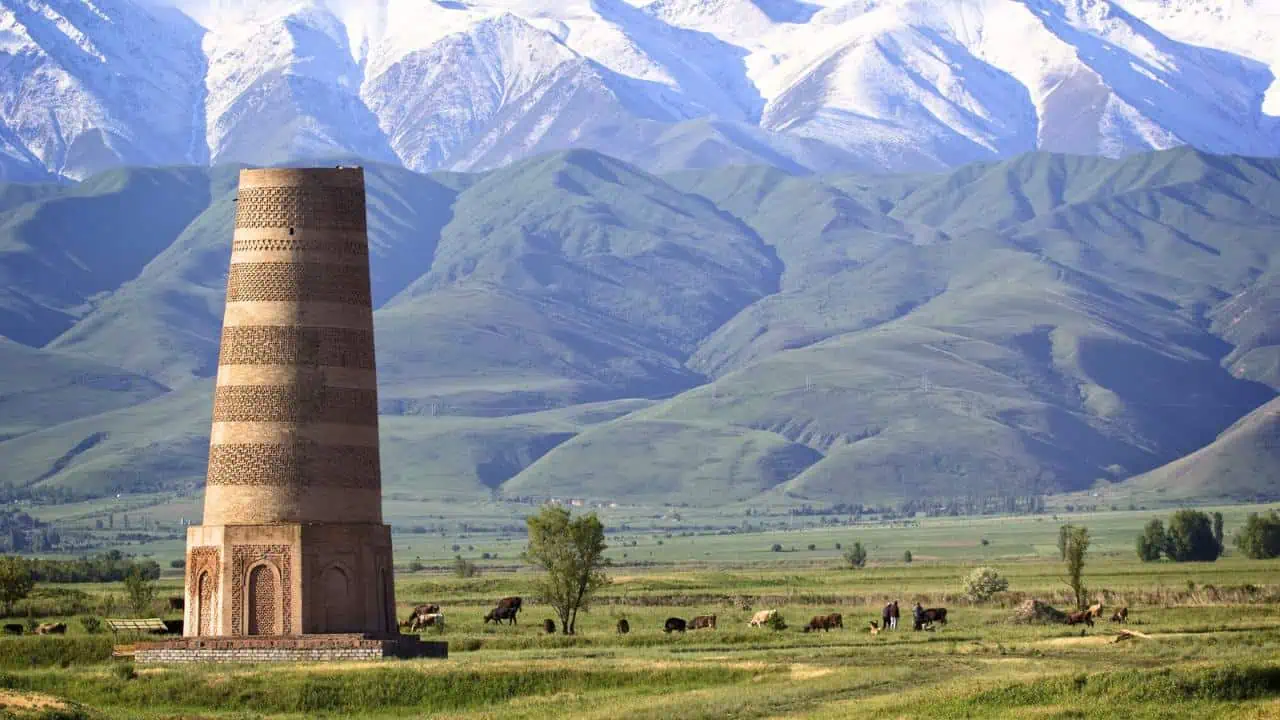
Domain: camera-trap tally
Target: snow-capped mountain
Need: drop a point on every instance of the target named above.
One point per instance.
(465, 84)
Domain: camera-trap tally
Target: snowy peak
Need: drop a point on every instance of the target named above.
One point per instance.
(888, 84)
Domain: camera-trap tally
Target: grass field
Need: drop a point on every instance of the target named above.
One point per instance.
(1213, 648)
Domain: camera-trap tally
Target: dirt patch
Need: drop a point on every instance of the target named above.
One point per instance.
(808, 672)
(29, 702)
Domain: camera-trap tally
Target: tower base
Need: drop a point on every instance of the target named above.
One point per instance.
(287, 580)
(307, 648)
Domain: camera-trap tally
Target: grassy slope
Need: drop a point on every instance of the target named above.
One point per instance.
(1022, 326)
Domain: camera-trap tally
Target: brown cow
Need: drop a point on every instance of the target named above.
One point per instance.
(1095, 611)
(1121, 615)
(925, 619)
(703, 621)
(824, 622)
(510, 602)
(1084, 616)
(51, 629)
(624, 627)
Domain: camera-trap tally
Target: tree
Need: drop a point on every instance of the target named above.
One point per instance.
(906, 557)
(1191, 538)
(1064, 533)
(141, 592)
(464, 568)
(776, 547)
(1217, 529)
(983, 583)
(1260, 538)
(571, 552)
(16, 580)
(856, 556)
(1152, 541)
(1075, 545)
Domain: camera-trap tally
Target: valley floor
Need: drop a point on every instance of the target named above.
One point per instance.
(1212, 650)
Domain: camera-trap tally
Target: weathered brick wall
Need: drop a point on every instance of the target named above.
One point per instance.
(305, 648)
(256, 655)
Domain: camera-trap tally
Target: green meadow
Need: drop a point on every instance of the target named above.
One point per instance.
(1210, 644)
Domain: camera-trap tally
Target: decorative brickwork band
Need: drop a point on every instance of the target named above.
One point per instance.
(355, 249)
(277, 557)
(297, 465)
(326, 208)
(292, 403)
(299, 282)
(284, 345)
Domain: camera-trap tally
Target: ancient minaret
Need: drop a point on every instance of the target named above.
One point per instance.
(293, 541)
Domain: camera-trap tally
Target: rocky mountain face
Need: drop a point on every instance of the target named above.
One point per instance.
(805, 85)
(571, 324)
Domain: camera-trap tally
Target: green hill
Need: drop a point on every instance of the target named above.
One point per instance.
(571, 325)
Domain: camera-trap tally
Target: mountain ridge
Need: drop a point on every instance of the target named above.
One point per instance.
(818, 86)
(571, 324)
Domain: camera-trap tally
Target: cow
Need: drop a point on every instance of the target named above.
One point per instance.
(417, 622)
(549, 626)
(52, 629)
(1095, 611)
(510, 602)
(499, 614)
(13, 629)
(624, 627)
(703, 621)
(675, 625)
(1084, 616)
(926, 618)
(1121, 615)
(825, 622)
(762, 618)
(420, 611)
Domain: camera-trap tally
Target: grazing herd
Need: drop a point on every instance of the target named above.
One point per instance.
(508, 608)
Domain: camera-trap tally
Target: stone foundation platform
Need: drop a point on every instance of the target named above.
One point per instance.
(298, 648)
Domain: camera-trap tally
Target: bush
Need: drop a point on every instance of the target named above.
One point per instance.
(1152, 541)
(15, 581)
(812, 547)
(91, 624)
(141, 592)
(1260, 537)
(416, 566)
(983, 583)
(1190, 538)
(907, 557)
(464, 568)
(856, 556)
(777, 547)
(776, 622)
(124, 672)
(178, 564)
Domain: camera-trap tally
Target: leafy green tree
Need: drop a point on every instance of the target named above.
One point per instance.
(571, 552)
(1260, 537)
(856, 556)
(1217, 529)
(983, 583)
(16, 580)
(1076, 545)
(141, 592)
(1152, 541)
(1191, 537)
(1064, 533)
(906, 557)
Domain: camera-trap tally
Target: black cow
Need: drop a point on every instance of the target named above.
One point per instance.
(926, 618)
(13, 629)
(550, 626)
(624, 627)
(675, 625)
(499, 614)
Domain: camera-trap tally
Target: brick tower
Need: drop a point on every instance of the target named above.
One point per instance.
(293, 541)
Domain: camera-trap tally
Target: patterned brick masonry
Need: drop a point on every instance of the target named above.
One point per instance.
(293, 560)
